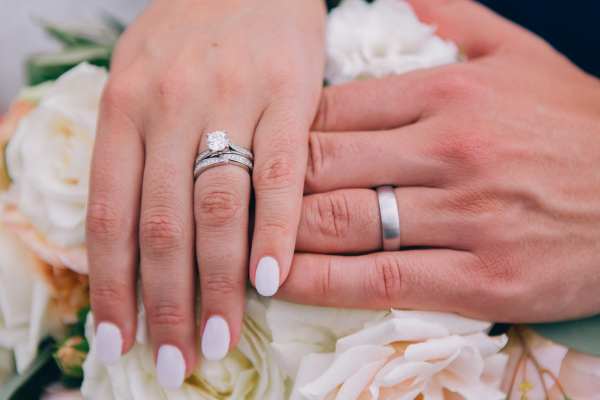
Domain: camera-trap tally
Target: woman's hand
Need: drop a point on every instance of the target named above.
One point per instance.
(183, 69)
(497, 167)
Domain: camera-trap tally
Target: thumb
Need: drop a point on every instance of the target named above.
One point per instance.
(477, 30)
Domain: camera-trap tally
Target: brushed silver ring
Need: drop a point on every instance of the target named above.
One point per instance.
(390, 218)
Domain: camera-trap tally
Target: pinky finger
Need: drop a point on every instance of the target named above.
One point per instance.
(437, 279)
(112, 236)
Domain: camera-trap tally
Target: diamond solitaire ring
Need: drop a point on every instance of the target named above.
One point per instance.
(222, 152)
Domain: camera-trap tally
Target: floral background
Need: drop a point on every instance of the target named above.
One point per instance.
(286, 351)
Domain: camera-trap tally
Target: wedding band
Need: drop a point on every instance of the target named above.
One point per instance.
(221, 152)
(390, 218)
(223, 159)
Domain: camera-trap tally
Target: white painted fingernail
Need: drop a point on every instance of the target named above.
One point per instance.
(267, 276)
(170, 367)
(215, 339)
(108, 343)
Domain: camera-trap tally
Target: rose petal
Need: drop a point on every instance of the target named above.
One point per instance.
(454, 323)
(392, 330)
(344, 365)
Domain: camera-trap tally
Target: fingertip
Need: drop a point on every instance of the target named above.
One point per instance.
(267, 276)
(170, 367)
(216, 338)
(109, 343)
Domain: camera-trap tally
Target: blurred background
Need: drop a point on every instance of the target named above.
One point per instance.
(570, 26)
(21, 36)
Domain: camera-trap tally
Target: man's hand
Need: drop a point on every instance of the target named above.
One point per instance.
(497, 167)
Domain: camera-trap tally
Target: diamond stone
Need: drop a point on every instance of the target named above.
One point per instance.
(218, 141)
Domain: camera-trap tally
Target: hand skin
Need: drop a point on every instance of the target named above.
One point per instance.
(497, 167)
(184, 68)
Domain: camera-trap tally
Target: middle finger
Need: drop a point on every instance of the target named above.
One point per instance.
(166, 255)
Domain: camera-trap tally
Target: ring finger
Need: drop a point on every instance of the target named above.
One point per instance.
(348, 221)
(221, 208)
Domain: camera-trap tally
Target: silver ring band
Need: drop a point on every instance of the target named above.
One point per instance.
(390, 218)
(223, 159)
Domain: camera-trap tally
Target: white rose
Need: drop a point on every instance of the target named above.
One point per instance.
(49, 156)
(385, 37)
(402, 355)
(24, 298)
(250, 372)
(578, 374)
(299, 330)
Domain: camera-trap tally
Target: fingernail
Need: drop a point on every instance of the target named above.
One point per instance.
(109, 343)
(216, 338)
(170, 367)
(267, 276)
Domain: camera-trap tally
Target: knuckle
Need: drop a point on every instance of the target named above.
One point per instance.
(385, 282)
(107, 294)
(166, 313)
(500, 279)
(325, 285)
(103, 222)
(333, 215)
(217, 207)
(458, 83)
(474, 203)
(162, 233)
(281, 83)
(217, 284)
(467, 150)
(273, 225)
(121, 94)
(275, 172)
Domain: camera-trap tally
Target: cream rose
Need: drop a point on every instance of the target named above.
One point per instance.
(249, 372)
(575, 373)
(401, 355)
(24, 299)
(49, 156)
(385, 37)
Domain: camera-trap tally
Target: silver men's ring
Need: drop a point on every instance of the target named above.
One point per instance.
(221, 152)
(390, 218)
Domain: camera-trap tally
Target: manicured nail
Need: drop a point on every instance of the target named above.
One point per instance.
(109, 343)
(216, 339)
(267, 276)
(170, 367)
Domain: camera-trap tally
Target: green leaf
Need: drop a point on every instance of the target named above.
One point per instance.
(31, 383)
(581, 335)
(48, 67)
(68, 37)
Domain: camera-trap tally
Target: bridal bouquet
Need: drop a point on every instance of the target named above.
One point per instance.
(286, 351)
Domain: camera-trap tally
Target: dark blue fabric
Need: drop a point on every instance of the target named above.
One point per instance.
(571, 26)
